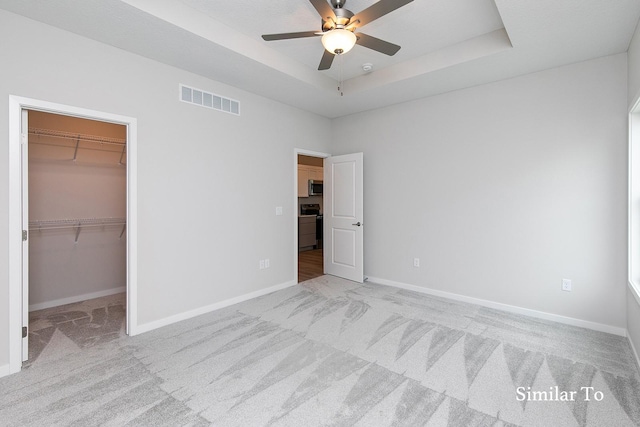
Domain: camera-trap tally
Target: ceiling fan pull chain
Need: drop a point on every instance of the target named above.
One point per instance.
(341, 82)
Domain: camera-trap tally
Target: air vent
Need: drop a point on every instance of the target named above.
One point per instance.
(209, 100)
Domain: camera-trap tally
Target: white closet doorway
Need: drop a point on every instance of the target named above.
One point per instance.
(75, 201)
(65, 232)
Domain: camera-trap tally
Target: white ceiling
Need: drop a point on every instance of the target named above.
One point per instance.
(420, 27)
(446, 44)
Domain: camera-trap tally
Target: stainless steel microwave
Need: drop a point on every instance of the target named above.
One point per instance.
(315, 187)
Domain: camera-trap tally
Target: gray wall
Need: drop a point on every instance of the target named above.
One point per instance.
(633, 307)
(504, 189)
(633, 321)
(200, 236)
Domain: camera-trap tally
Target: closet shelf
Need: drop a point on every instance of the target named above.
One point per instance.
(77, 136)
(77, 224)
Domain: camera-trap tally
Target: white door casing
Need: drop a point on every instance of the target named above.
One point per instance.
(343, 217)
(18, 219)
(24, 156)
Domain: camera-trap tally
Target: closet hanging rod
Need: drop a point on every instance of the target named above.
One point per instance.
(76, 224)
(36, 225)
(78, 162)
(76, 136)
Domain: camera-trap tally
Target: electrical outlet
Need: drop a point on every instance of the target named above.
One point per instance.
(566, 285)
(266, 263)
(278, 210)
(262, 264)
(416, 262)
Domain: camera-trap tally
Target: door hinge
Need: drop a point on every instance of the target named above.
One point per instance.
(25, 332)
(24, 235)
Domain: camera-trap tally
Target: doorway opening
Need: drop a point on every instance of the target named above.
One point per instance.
(342, 212)
(54, 224)
(76, 208)
(309, 210)
(310, 229)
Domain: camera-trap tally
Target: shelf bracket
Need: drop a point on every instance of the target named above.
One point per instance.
(77, 232)
(122, 154)
(124, 227)
(75, 154)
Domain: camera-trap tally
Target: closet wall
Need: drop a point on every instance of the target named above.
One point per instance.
(77, 209)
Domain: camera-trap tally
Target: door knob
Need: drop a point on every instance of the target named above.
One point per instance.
(357, 224)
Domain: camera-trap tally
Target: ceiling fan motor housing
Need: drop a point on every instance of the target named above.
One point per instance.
(343, 16)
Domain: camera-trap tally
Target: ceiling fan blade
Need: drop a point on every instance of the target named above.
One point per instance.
(377, 10)
(326, 61)
(377, 44)
(324, 9)
(284, 36)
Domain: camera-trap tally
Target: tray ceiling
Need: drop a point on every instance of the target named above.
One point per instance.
(446, 44)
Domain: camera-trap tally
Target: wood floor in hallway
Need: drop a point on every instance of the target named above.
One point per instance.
(310, 265)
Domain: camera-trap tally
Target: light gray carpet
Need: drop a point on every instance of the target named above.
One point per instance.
(67, 328)
(331, 352)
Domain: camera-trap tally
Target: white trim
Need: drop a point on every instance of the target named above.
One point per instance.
(146, 327)
(629, 197)
(505, 307)
(633, 105)
(77, 298)
(132, 228)
(304, 152)
(633, 348)
(633, 212)
(16, 104)
(634, 291)
(4, 370)
(15, 241)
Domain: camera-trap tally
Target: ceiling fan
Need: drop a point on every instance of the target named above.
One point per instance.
(339, 25)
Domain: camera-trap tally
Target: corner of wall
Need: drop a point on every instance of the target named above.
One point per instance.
(633, 321)
(635, 352)
(4, 370)
(139, 329)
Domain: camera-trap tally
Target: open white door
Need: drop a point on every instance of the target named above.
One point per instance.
(24, 154)
(343, 217)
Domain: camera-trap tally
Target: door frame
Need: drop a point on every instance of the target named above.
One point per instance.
(16, 105)
(633, 228)
(304, 152)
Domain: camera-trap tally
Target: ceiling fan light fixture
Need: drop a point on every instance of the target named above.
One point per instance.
(338, 41)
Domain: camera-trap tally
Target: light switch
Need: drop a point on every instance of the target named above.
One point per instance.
(279, 210)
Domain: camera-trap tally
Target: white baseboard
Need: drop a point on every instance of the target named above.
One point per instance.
(505, 307)
(5, 370)
(209, 308)
(635, 351)
(77, 298)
